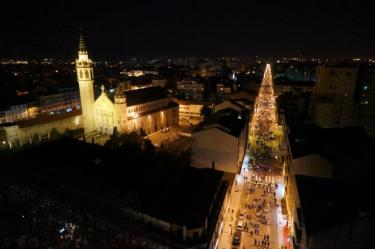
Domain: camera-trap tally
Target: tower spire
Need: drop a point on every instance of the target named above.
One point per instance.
(82, 46)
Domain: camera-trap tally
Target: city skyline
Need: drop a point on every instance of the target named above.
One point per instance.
(187, 124)
(138, 29)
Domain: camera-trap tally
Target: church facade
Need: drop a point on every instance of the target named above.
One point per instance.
(148, 109)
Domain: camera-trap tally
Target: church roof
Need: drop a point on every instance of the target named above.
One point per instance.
(140, 96)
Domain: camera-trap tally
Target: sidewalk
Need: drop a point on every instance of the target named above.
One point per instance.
(225, 241)
(281, 220)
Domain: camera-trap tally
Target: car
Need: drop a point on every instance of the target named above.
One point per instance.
(240, 225)
(236, 238)
(242, 215)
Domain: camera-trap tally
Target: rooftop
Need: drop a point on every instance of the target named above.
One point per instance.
(136, 97)
(8, 100)
(312, 165)
(338, 202)
(183, 198)
(227, 120)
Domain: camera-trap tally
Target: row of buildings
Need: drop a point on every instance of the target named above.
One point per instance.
(327, 174)
(326, 156)
(343, 95)
(17, 108)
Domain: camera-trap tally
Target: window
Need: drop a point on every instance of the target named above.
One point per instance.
(80, 74)
(86, 74)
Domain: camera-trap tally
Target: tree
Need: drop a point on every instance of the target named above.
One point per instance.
(68, 133)
(125, 140)
(114, 140)
(131, 138)
(148, 148)
(54, 134)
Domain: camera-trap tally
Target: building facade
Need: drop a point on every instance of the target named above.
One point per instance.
(147, 109)
(191, 90)
(64, 100)
(190, 113)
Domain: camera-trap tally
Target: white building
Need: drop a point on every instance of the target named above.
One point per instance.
(18, 108)
(220, 141)
(190, 113)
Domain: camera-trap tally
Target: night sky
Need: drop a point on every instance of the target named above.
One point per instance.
(122, 29)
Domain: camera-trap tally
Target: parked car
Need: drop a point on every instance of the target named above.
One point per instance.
(237, 238)
(242, 215)
(240, 225)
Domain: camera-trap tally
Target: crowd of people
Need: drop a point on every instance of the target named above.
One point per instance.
(31, 220)
(264, 120)
(261, 200)
(261, 195)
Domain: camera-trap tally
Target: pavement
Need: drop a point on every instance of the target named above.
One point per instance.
(164, 136)
(99, 138)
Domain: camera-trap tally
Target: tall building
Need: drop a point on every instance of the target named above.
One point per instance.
(85, 76)
(345, 96)
(364, 98)
(334, 92)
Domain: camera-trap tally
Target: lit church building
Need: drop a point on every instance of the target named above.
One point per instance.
(149, 109)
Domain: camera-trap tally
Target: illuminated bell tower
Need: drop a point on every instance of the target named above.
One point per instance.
(85, 76)
(120, 108)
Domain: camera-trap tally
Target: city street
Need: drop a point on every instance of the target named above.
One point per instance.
(255, 219)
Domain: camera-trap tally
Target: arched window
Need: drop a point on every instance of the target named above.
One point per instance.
(80, 74)
(86, 74)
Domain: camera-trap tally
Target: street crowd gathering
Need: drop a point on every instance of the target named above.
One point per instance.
(261, 195)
